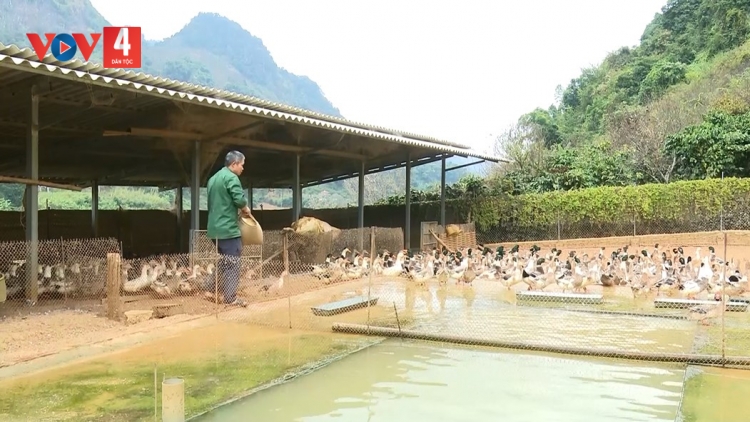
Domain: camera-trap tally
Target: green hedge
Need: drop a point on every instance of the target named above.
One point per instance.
(655, 202)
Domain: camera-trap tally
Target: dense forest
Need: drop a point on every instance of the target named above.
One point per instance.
(675, 107)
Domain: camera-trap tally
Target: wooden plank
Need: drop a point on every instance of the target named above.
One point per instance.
(168, 309)
(732, 306)
(635, 313)
(114, 271)
(593, 299)
(427, 241)
(440, 241)
(24, 181)
(3, 290)
(344, 305)
(130, 299)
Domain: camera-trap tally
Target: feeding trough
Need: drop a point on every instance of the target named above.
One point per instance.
(344, 305)
(578, 298)
(740, 300)
(732, 306)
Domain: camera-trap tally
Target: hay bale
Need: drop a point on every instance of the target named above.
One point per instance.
(313, 240)
(312, 226)
(452, 229)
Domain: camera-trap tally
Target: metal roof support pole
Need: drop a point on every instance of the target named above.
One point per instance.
(94, 208)
(31, 207)
(195, 193)
(442, 192)
(407, 204)
(178, 213)
(361, 205)
(296, 191)
(250, 202)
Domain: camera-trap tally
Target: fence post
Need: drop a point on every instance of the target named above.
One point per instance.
(285, 248)
(724, 302)
(373, 255)
(62, 261)
(721, 215)
(114, 274)
(191, 248)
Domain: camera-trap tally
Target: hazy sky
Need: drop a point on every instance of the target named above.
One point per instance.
(461, 71)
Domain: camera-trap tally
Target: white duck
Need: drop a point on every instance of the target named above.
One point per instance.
(143, 281)
(397, 268)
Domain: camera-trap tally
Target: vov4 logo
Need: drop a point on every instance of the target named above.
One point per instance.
(121, 44)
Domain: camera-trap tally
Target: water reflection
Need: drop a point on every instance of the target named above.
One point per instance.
(405, 381)
(468, 312)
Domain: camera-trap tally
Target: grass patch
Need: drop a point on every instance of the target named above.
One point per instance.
(717, 395)
(737, 341)
(110, 390)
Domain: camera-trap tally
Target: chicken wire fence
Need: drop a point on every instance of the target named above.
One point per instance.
(681, 298)
(675, 298)
(68, 272)
(288, 265)
(684, 300)
(511, 227)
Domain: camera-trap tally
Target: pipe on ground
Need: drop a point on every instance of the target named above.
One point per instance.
(690, 359)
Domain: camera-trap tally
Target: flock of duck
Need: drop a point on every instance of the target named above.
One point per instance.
(82, 276)
(670, 272)
(656, 272)
(168, 277)
(161, 276)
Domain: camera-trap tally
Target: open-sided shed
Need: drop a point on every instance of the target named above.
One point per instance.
(80, 124)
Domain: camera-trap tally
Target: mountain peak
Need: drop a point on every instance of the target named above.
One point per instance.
(218, 51)
(217, 25)
(210, 50)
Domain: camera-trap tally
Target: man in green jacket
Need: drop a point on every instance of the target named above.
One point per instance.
(226, 201)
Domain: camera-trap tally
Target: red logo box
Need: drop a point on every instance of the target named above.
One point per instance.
(122, 47)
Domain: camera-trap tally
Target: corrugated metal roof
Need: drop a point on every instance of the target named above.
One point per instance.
(25, 59)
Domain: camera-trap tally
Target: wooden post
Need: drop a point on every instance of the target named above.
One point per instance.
(285, 255)
(114, 273)
(373, 254)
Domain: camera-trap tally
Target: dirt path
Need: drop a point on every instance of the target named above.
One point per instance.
(32, 337)
(34, 343)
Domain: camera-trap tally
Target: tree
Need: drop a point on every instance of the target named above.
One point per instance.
(663, 75)
(377, 186)
(188, 70)
(13, 193)
(644, 132)
(718, 146)
(542, 126)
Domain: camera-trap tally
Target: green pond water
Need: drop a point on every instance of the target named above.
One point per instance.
(407, 381)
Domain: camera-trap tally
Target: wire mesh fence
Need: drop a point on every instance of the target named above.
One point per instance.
(52, 272)
(660, 220)
(680, 299)
(628, 297)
